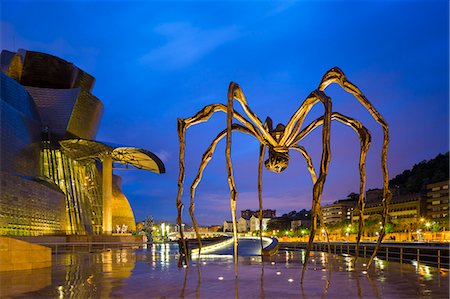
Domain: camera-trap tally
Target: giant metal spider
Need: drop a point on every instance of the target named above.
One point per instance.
(279, 141)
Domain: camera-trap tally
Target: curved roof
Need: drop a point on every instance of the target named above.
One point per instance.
(81, 149)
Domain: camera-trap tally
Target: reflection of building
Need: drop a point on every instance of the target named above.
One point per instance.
(47, 188)
(437, 202)
(338, 211)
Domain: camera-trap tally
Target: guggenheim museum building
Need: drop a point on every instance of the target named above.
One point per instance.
(56, 178)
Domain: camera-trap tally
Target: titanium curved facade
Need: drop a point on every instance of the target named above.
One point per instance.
(45, 100)
(122, 212)
(29, 205)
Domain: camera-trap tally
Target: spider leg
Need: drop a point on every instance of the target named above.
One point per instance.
(202, 116)
(365, 140)
(260, 168)
(232, 185)
(207, 156)
(308, 159)
(235, 93)
(335, 75)
(325, 161)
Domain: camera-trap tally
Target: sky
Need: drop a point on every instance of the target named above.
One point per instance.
(156, 61)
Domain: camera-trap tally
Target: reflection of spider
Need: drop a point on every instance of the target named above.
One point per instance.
(279, 141)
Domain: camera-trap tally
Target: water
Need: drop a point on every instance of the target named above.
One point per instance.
(153, 273)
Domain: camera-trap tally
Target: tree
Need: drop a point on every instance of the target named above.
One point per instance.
(148, 228)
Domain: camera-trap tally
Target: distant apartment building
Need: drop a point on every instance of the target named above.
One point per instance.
(338, 211)
(402, 208)
(254, 223)
(243, 225)
(227, 226)
(247, 214)
(437, 202)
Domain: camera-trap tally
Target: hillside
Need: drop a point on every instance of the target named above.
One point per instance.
(426, 172)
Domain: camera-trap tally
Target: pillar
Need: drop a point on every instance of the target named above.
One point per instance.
(107, 194)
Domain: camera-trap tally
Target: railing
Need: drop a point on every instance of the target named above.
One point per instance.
(89, 246)
(434, 255)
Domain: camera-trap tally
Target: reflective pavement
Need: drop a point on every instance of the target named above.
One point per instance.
(153, 273)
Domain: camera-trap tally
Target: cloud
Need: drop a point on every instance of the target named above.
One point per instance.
(187, 44)
(163, 155)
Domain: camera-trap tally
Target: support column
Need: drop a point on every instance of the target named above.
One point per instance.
(107, 194)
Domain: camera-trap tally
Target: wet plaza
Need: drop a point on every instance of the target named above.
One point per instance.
(152, 272)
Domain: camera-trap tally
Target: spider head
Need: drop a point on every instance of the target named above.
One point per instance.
(278, 161)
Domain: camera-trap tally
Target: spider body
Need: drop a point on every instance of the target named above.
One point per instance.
(278, 160)
(279, 142)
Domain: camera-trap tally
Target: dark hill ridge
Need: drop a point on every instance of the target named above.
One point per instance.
(421, 174)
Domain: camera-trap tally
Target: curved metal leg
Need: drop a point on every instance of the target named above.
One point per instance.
(325, 161)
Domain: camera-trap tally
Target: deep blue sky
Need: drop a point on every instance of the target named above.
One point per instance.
(157, 61)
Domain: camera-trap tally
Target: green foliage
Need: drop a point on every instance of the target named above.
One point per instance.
(390, 227)
(280, 223)
(426, 172)
(435, 227)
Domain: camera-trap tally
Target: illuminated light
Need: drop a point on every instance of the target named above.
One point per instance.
(204, 263)
(184, 266)
(323, 230)
(163, 229)
(60, 288)
(220, 277)
(290, 280)
(364, 272)
(273, 263)
(422, 219)
(364, 265)
(313, 260)
(428, 224)
(278, 273)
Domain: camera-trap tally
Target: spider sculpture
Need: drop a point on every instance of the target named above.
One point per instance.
(279, 141)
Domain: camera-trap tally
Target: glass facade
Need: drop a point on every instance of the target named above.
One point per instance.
(82, 186)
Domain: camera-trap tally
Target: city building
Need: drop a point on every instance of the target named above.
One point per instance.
(55, 177)
(254, 223)
(227, 226)
(338, 211)
(404, 210)
(247, 214)
(437, 203)
(243, 225)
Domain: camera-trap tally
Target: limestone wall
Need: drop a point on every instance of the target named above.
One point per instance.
(21, 255)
